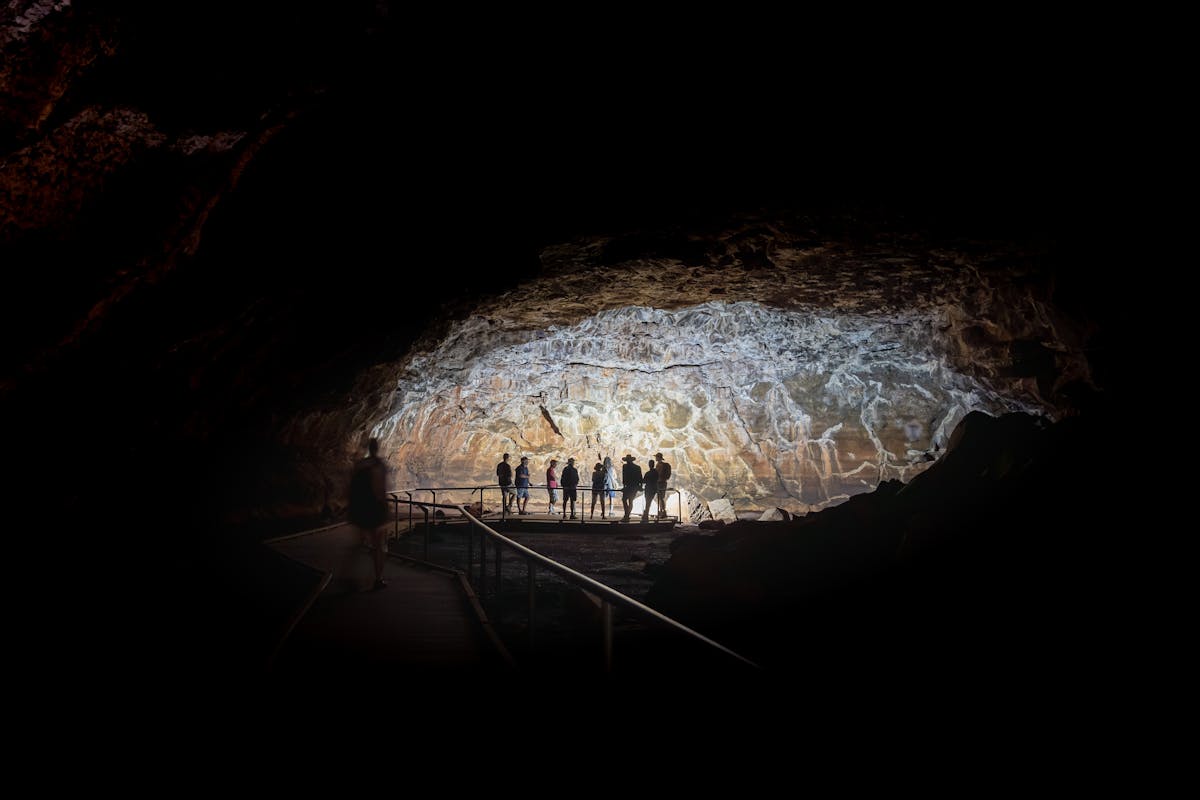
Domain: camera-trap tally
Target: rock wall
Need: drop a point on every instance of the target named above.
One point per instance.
(795, 380)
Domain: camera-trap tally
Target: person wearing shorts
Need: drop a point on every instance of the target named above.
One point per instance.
(523, 485)
(504, 478)
(599, 477)
(570, 479)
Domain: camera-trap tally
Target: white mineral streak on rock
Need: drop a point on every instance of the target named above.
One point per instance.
(731, 393)
(793, 386)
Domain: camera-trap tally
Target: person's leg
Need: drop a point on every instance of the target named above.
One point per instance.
(379, 535)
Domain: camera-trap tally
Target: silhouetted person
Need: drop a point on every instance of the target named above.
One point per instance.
(631, 482)
(522, 485)
(650, 482)
(368, 504)
(504, 476)
(552, 483)
(570, 479)
(610, 484)
(599, 478)
(664, 475)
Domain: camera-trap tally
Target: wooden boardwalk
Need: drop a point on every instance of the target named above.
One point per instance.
(422, 622)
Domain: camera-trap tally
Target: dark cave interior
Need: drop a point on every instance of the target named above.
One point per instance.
(164, 319)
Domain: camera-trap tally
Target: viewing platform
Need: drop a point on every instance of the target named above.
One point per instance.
(543, 522)
(409, 505)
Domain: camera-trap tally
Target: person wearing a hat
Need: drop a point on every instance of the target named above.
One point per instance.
(570, 479)
(552, 483)
(631, 482)
(522, 474)
(664, 474)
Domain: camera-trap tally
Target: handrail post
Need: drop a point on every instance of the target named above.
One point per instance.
(606, 594)
(470, 550)
(425, 511)
(532, 599)
(606, 615)
(410, 509)
(482, 563)
(499, 554)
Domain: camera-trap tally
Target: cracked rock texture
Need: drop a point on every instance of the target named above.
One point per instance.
(770, 367)
(191, 225)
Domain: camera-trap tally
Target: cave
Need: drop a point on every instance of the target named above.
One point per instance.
(242, 243)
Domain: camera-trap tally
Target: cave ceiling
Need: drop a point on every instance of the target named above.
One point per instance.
(259, 236)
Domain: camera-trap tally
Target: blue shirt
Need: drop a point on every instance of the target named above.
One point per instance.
(522, 476)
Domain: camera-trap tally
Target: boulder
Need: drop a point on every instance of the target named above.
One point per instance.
(722, 509)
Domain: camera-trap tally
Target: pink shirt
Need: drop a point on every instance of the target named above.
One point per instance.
(551, 478)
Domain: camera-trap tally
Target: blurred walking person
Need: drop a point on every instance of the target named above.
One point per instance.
(368, 505)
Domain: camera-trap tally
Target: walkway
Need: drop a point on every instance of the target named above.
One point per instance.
(421, 622)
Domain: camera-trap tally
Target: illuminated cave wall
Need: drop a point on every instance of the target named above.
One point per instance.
(763, 406)
(795, 385)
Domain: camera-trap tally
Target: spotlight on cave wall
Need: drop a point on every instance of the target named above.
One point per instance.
(760, 405)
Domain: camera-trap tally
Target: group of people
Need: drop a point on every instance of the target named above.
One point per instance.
(653, 481)
(368, 503)
(515, 485)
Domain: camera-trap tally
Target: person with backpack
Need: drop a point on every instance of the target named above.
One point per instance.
(367, 507)
(664, 474)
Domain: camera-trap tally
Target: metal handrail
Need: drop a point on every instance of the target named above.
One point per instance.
(609, 597)
(433, 490)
